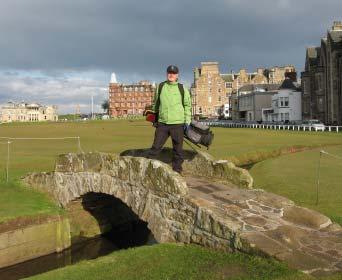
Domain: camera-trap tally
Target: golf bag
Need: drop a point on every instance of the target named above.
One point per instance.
(199, 134)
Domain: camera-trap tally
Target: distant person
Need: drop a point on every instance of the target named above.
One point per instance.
(172, 105)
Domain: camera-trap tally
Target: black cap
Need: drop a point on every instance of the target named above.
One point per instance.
(172, 69)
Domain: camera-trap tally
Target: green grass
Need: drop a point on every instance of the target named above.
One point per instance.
(171, 261)
(295, 176)
(116, 136)
(246, 146)
(240, 145)
(18, 201)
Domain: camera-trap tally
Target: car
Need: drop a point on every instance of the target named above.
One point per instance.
(315, 124)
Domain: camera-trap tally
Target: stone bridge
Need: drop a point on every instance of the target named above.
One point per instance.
(213, 205)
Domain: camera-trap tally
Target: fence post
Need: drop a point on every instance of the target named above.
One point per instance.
(318, 175)
(7, 161)
(79, 144)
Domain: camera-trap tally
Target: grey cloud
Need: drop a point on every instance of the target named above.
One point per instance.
(138, 39)
(144, 36)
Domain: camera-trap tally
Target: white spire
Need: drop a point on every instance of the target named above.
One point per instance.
(113, 79)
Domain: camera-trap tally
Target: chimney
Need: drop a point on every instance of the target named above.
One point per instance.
(113, 79)
(292, 76)
(337, 26)
(260, 71)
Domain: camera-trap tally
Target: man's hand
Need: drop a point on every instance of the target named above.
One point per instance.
(186, 126)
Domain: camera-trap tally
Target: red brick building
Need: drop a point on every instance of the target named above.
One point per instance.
(129, 99)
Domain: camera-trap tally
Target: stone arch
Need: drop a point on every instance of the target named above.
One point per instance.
(146, 186)
(153, 191)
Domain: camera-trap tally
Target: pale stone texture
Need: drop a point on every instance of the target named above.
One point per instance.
(201, 163)
(27, 242)
(203, 207)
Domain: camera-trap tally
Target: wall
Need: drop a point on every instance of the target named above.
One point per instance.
(33, 238)
(295, 105)
(254, 103)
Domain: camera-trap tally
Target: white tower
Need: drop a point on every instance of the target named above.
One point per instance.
(113, 79)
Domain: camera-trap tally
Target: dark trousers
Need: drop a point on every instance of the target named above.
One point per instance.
(163, 131)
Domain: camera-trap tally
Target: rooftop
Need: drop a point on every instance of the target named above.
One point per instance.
(264, 87)
(288, 84)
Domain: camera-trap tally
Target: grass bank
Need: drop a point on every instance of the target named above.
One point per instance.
(171, 261)
(295, 176)
(248, 146)
(18, 201)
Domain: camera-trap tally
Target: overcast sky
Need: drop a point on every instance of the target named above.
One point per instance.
(63, 51)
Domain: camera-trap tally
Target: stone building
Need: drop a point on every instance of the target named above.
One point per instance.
(274, 75)
(214, 92)
(277, 74)
(27, 112)
(322, 79)
(129, 99)
(209, 92)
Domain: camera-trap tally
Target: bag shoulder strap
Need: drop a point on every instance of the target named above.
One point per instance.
(181, 90)
(160, 87)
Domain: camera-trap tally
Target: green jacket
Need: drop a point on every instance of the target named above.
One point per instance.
(171, 110)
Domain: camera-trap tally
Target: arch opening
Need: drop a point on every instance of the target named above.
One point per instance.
(102, 215)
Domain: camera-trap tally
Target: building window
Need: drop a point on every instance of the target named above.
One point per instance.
(284, 102)
(219, 98)
(229, 85)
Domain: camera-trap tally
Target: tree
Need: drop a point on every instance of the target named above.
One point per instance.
(105, 106)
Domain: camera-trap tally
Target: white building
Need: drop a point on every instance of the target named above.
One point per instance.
(24, 112)
(286, 105)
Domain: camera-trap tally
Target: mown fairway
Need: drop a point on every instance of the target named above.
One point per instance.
(295, 176)
(243, 146)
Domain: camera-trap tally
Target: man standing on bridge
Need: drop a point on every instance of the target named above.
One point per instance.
(172, 106)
